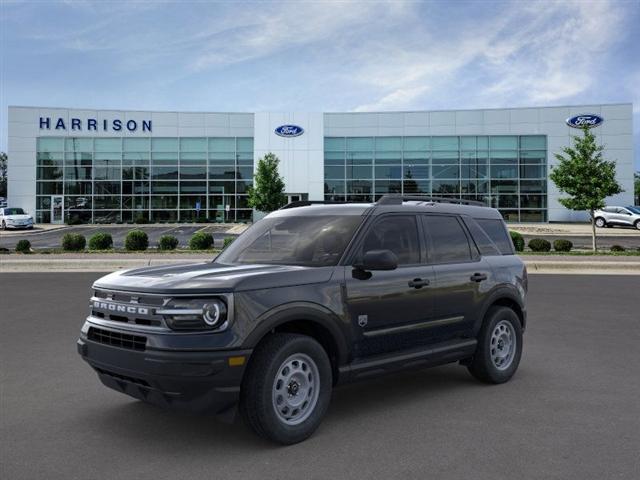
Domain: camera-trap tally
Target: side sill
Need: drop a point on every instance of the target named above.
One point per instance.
(432, 355)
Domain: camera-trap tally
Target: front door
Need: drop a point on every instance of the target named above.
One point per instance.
(57, 209)
(390, 310)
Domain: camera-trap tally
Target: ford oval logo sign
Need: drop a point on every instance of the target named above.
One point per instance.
(289, 131)
(587, 120)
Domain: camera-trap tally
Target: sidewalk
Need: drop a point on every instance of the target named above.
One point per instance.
(608, 265)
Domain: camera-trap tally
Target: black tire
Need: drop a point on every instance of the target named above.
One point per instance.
(4, 225)
(256, 402)
(601, 221)
(482, 367)
(637, 224)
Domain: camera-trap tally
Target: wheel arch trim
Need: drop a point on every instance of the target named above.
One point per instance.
(318, 315)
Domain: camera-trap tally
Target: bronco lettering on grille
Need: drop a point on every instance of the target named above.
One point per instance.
(116, 307)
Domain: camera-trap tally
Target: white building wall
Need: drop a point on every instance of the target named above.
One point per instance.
(301, 158)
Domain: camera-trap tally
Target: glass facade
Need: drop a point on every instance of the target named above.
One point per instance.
(108, 180)
(508, 172)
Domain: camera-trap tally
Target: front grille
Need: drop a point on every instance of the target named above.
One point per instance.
(117, 339)
(129, 308)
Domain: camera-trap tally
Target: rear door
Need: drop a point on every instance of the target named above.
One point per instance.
(461, 275)
(390, 310)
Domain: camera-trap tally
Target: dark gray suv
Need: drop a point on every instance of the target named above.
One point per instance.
(309, 297)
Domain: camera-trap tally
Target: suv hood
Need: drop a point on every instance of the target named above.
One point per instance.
(194, 278)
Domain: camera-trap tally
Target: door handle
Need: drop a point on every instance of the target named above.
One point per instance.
(418, 283)
(478, 277)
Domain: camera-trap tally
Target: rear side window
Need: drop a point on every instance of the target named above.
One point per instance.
(497, 232)
(484, 243)
(449, 242)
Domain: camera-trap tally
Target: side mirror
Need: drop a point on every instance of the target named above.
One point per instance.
(378, 260)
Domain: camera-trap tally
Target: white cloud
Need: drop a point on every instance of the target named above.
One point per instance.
(530, 53)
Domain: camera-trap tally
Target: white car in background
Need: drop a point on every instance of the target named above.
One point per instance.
(15, 218)
(621, 216)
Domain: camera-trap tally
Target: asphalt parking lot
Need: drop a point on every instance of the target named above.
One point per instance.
(53, 238)
(571, 412)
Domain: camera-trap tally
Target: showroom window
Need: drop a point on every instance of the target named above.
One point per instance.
(508, 172)
(157, 179)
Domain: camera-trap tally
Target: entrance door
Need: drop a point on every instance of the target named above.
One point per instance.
(57, 209)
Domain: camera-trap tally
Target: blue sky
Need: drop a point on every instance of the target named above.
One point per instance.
(318, 56)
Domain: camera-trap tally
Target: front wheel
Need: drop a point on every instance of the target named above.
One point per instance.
(287, 388)
(600, 223)
(637, 224)
(499, 347)
(4, 225)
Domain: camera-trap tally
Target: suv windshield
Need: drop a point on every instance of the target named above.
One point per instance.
(313, 241)
(13, 211)
(635, 210)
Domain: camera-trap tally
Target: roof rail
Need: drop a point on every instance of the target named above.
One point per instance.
(306, 203)
(398, 199)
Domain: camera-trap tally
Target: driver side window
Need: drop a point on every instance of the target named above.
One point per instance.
(398, 233)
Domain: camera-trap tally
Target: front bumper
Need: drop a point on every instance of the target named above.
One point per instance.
(195, 381)
(19, 226)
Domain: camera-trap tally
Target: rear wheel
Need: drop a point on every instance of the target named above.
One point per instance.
(637, 224)
(600, 223)
(287, 388)
(4, 225)
(499, 346)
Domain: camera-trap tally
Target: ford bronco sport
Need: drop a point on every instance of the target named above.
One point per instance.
(311, 296)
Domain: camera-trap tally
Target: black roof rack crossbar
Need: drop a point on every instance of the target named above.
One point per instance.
(398, 199)
(306, 203)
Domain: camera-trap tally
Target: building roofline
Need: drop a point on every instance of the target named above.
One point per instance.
(328, 112)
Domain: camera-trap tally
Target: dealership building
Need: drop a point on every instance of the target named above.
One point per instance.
(107, 166)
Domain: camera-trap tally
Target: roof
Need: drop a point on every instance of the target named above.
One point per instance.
(387, 204)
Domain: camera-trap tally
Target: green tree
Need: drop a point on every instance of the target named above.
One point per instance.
(585, 177)
(3, 174)
(636, 187)
(267, 193)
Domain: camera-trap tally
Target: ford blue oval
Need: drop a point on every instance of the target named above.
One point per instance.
(289, 131)
(587, 120)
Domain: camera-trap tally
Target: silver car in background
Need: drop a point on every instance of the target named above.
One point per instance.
(621, 216)
(15, 218)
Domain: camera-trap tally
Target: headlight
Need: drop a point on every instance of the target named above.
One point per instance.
(195, 314)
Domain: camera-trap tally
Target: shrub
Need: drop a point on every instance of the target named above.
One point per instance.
(227, 241)
(518, 240)
(73, 242)
(141, 220)
(562, 245)
(101, 241)
(539, 245)
(617, 248)
(136, 240)
(201, 241)
(167, 242)
(23, 246)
